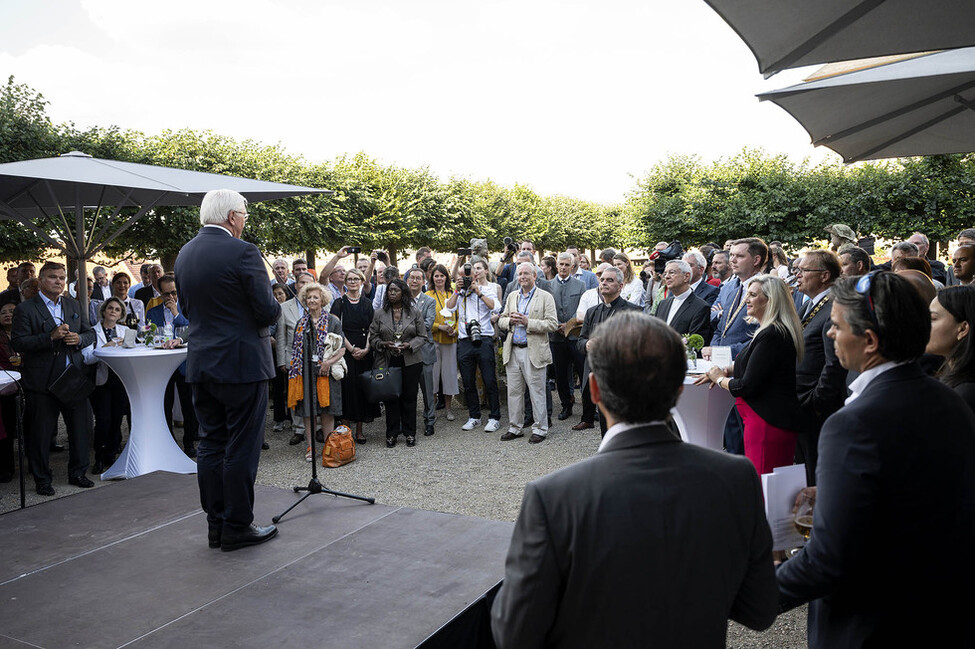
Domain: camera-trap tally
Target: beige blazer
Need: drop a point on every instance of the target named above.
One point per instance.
(542, 320)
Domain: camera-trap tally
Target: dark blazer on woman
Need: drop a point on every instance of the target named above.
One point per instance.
(967, 392)
(765, 377)
(414, 332)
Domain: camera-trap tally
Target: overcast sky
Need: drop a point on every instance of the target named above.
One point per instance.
(570, 98)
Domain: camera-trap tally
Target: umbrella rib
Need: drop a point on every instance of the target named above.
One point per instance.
(132, 219)
(891, 115)
(823, 35)
(903, 136)
(94, 222)
(26, 222)
(111, 219)
(66, 233)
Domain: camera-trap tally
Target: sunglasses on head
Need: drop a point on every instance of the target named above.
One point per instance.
(863, 286)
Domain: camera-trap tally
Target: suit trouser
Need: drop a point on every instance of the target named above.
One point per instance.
(469, 358)
(566, 357)
(231, 417)
(734, 433)
(429, 396)
(110, 404)
(523, 375)
(190, 425)
(42, 415)
(401, 413)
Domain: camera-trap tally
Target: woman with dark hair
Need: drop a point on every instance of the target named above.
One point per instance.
(397, 333)
(9, 360)
(548, 267)
(355, 310)
(445, 339)
(109, 401)
(281, 293)
(952, 321)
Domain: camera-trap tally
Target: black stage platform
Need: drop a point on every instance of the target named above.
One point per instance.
(127, 565)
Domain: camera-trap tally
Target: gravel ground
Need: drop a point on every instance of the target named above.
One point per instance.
(455, 471)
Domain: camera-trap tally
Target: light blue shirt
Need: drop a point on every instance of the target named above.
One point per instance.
(520, 332)
(57, 312)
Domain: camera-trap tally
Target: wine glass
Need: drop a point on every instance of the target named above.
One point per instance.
(803, 516)
(15, 358)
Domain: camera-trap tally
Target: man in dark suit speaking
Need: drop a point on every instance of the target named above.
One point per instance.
(651, 542)
(224, 292)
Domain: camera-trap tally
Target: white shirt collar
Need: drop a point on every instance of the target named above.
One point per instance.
(861, 382)
(622, 427)
(819, 297)
(694, 285)
(214, 225)
(683, 296)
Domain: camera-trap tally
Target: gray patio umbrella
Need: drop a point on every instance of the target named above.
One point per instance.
(793, 33)
(918, 106)
(55, 192)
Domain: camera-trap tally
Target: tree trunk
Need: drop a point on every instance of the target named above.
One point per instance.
(310, 260)
(168, 262)
(393, 255)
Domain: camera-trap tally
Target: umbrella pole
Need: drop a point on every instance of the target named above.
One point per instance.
(82, 285)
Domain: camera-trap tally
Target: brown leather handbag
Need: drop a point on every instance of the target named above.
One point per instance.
(339, 448)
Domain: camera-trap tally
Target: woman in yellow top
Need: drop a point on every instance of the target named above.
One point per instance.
(445, 337)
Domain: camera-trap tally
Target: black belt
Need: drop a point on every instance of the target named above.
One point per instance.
(519, 344)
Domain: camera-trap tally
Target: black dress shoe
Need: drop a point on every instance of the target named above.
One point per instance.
(253, 535)
(390, 442)
(213, 534)
(410, 441)
(56, 448)
(535, 438)
(566, 413)
(265, 446)
(190, 451)
(6, 477)
(584, 425)
(428, 430)
(81, 481)
(319, 436)
(98, 468)
(296, 439)
(44, 490)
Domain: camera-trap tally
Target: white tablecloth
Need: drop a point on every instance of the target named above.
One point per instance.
(145, 373)
(701, 413)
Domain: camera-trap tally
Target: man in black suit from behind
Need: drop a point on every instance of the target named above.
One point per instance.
(684, 311)
(224, 292)
(820, 379)
(50, 333)
(652, 542)
(894, 492)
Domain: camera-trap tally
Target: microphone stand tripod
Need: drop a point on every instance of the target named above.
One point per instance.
(310, 405)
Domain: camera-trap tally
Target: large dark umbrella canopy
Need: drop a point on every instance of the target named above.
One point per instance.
(49, 196)
(919, 106)
(786, 34)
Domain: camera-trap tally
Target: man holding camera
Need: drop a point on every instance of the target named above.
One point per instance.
(529, 315)
(475, 303)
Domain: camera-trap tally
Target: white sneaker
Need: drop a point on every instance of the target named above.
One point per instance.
(492, 425)
(278, 427)
(471, 423)
(450, 416)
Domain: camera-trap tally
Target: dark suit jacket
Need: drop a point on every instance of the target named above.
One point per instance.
(693, 316)
(650, 543)
(738, 332)
(145, 294)
(707, 292)
(223, 291)
(820, 379)
(597, 315)
(765, 377)
(894, 491)
(31, 336)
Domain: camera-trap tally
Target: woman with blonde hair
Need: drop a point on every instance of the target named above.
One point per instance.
(316, 299)
(633, 291)
(763, 378)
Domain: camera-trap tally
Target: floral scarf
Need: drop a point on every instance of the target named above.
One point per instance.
(296, 386)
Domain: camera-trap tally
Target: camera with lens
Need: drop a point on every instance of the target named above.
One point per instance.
(466, 280)
(464, 252)
(474, 332)
(660, 257)
(382, 256)
(509, 249)
(354, 250)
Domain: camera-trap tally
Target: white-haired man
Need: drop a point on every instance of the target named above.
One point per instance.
(699, 284)
(529, 316)
(223, 290)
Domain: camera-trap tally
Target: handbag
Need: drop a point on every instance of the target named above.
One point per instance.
(71, 386)
(339, 448)
(382, 384)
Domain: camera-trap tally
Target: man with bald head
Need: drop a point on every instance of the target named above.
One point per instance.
(528, 316)
(963, 264)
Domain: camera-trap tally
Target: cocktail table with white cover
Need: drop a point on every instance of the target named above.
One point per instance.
(701, 413)
(151, 447)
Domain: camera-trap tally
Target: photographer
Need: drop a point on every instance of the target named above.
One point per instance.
(475, 301)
